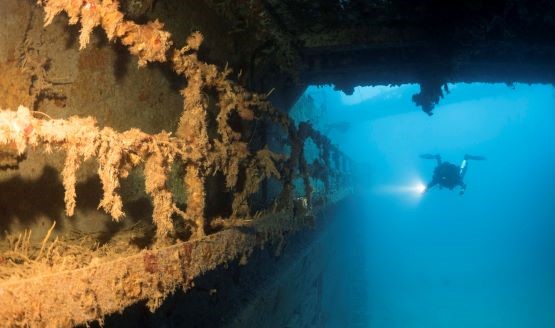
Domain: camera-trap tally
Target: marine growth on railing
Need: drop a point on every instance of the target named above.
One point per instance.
(200, 153)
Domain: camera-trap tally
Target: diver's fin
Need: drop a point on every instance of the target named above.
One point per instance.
(429, 156)
(475, 158)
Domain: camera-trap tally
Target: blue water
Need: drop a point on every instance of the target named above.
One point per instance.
(485, 259)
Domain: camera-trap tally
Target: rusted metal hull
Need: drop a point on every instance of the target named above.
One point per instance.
(75, 297)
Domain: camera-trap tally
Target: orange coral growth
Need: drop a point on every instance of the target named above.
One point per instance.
(149, 42)
(110, 151)
(157, 167)
(202, 155)
(225, 149)
(195, 40)
(90, 18)
(69, 175)
(260, 167)
(115, 152)
(228, 159)
(195, 197)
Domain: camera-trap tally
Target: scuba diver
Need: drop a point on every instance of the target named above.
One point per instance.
(448, 175)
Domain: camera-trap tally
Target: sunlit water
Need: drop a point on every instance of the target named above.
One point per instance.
(438, 259)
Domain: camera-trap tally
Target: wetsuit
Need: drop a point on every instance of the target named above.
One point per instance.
(448, 175)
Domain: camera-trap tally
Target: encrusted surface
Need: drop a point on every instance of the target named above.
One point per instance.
(64, 282)
(202, 155)
(67, 298)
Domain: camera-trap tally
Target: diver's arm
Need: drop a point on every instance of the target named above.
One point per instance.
(430, 185)
(430, 156)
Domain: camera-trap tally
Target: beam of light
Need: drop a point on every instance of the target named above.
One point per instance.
(416, 188)
(420, 188)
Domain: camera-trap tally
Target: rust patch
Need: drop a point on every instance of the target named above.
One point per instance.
(186, 259)
(260, 239)
(61, 103)
(15, 85)
(144, 95)
(94, 60)
(151, 263)
(186, 253)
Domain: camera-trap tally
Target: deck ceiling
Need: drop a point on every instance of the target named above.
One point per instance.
(378, 42)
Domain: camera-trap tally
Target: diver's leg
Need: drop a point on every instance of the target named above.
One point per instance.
(475, 158)
(430, 156)
(464, 164)
(438, 159)
(463, 188)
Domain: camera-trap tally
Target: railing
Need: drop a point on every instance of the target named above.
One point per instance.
(195, 147)
(213, 139)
